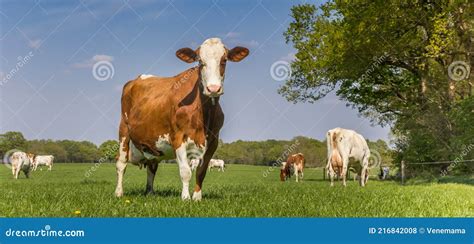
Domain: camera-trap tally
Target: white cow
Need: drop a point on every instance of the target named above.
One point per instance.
(342, 145)
(194, 163)
(217, 163)
(46, 160)
(20, 161)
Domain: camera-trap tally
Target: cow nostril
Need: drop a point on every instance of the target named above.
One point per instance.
(214, 88)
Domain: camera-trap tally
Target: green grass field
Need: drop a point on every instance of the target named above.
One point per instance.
(241, 191)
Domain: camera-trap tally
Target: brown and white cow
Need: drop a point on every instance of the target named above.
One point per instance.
(342, 145)
(176, 116)
(297, 162)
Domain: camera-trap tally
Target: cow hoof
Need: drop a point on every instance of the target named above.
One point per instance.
(185, 195)
(118, 193)
(197, 196)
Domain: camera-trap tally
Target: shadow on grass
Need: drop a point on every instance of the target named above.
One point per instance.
(457, 179)
(168, 193)
(316, 180)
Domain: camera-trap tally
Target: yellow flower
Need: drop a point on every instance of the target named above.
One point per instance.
(77, 212)
(127, 201)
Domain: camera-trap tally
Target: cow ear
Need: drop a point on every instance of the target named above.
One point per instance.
(187, 55)
(236, 54)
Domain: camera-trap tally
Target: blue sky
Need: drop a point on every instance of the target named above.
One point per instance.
(48, 50)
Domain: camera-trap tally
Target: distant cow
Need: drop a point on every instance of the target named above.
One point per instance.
(297, 162)
(194, 163)
(174, 117)
(42, 160)
(342, 145)
(217, 163)
(285, 172)
(20, 161)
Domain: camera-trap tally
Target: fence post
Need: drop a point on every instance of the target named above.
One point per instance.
(402, 167)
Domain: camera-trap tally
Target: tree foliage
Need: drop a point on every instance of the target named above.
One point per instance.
(393, 62)
(12, 140)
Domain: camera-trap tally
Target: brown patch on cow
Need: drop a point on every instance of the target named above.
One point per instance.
(292, 161)
(222, 64)
(197, 188)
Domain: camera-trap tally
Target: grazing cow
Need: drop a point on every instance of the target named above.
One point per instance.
(285, 172)
(217, 163)
(297, 162)
(342, 145)
(40, 160)
(193, 163)
(20, 161)
(176, 116)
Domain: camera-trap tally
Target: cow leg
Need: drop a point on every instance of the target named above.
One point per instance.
(365, 170)
(331, 174)
(364, 176)
(151, 171)
(345, 163)
(296, 171)
(184, 170)
(17, 172)
(201, 169)
(121, 165)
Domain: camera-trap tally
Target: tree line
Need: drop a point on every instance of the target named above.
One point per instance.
(69, 151)
(239, 152)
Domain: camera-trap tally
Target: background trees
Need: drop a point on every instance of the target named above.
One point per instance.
(402, 64)
(12, 140)
(238, 152)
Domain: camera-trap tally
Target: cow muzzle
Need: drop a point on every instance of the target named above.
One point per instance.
(213, 90)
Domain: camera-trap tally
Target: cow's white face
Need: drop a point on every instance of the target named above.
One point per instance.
(212, 56)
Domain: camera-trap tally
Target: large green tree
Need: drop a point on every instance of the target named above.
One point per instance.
(400, 63)
(11, 140)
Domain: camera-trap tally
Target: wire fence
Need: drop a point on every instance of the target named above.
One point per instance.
(403, 167)
(444, 162)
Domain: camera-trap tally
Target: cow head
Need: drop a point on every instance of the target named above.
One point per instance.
(212, 56)
(282, 175)
(31, 157)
